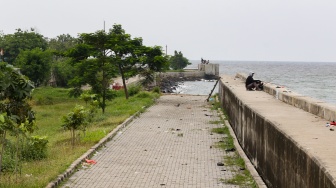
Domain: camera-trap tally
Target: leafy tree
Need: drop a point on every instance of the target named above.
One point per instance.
(16, 115)
(61, 70)
(153, 60)
(92, 65)
(75, 120)
(21, 40)
(178, 61)
(100, 55)
(62, 43)
(35, 64)
(125, 53)
(132, 57)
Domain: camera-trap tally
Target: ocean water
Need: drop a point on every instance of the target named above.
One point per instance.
(313, 79)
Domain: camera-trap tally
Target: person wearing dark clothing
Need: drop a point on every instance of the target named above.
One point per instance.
(252, 84)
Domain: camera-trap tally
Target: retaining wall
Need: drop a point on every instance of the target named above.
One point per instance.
(278, 158)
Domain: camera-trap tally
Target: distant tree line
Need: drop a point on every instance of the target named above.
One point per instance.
(52, 61)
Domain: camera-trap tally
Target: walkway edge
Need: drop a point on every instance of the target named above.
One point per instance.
(260, 182)
(76, 164)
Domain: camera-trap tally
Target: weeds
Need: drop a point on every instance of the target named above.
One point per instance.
(242, 177)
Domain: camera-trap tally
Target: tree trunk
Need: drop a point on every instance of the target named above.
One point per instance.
(123, 80)
(104, 85)
(73, 137)
(3, 139)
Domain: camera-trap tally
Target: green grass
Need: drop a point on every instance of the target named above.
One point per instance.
(60, 152)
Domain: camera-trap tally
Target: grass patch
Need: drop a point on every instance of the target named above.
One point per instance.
(242, 177)
(60, 153)
(220, 130)
(215, 122)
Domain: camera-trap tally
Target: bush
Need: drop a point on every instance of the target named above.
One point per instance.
(8, 158)
(156, 90)
(35, 148)
(134, 89)
(143, 95)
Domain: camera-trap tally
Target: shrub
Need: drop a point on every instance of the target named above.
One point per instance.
(143, 95)
(8, 158)
(35, 148)
(156, 90)
(134, 89)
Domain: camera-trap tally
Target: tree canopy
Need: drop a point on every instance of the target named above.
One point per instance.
(101, 56)
(35, 64)
(21, 40)
(92, 65)
(177, 61)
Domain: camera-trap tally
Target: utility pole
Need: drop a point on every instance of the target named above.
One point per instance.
(166, 50)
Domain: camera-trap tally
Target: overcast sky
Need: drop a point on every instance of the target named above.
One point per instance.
(259, 30)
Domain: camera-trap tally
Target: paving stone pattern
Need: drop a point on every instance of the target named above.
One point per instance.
(169, 145)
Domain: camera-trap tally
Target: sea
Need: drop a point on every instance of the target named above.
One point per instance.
(313, 79)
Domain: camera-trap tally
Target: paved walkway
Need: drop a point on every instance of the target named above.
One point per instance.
(168, 146)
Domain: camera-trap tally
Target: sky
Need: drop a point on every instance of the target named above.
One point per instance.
(242, 30)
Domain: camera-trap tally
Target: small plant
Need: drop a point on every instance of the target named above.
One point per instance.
(8, 157)
(143, 95)
(156, 90)
(220, 130)
(134, 89)
(180, 134)
(35, 148)
(75, 120)
(215, 122)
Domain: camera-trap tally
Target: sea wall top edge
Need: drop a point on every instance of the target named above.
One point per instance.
(317, 107)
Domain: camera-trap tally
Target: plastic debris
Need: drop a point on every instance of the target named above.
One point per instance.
(90, 161)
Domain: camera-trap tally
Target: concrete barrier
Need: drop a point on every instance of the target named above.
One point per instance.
(292, 152)
(207, 71)
(308, 104)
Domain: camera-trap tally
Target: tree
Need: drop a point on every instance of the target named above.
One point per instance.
(21, 40)
(153, 60)
(132, 57)
(178, 61)
(16, 115)
(35, 64)
(125, 53)
(100, 55)
(61, 70)
(92, 64)
(62, 43)
(74, 121)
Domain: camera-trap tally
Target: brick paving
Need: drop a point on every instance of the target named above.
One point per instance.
(169, 145)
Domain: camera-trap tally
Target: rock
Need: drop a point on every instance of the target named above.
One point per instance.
(220, 164)
(230, 150)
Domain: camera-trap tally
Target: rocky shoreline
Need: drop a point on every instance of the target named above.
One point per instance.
(171, 84)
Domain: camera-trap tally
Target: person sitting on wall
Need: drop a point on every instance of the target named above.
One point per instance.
(252, 84)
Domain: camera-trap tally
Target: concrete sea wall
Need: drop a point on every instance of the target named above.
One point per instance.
(308, 104)
(279, 158)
